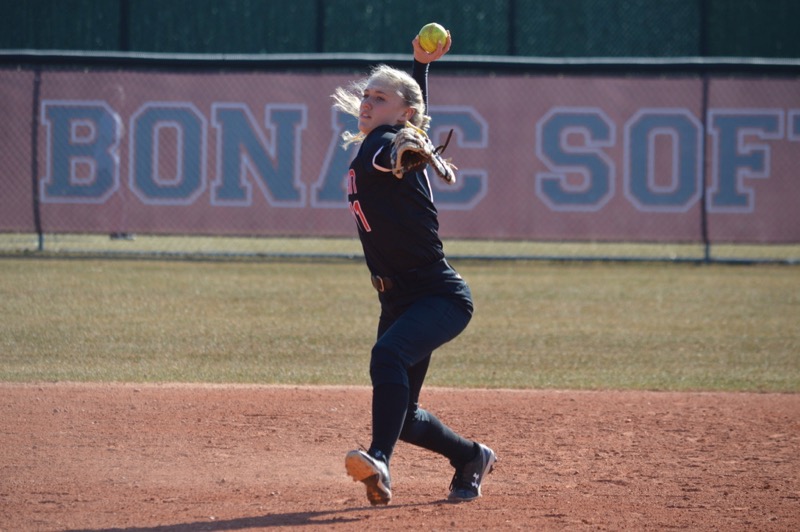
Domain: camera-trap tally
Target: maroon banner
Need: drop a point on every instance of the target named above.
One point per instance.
(16, 181)
(540, 158)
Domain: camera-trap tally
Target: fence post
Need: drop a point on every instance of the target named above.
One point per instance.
(512, 27)
(37, 215)
(124, 26)
(704, 52)
(704, 172)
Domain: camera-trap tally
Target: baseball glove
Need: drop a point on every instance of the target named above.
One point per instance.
(412, 149)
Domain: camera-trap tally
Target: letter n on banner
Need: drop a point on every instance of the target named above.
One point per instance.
(245, 154)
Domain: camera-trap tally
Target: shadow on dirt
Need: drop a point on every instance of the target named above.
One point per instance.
(326, 517)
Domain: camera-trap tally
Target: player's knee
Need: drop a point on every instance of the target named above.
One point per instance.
(386, 367)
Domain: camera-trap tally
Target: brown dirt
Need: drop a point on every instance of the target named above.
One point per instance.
(201, 457)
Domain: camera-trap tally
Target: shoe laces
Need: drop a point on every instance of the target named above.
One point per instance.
(459, 482)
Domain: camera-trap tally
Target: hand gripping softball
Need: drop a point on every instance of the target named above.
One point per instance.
(412, 149)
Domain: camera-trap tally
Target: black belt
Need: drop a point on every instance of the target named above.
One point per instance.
(382, 284)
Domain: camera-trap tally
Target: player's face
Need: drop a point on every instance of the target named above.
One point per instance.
(381, 105)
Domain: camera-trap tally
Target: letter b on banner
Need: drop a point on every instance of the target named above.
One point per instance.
(82, 162)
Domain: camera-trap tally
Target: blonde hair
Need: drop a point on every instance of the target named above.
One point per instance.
(348, 99)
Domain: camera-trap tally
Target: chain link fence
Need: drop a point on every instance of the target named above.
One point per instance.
(556, 160)
(538, 28)
(118, 145)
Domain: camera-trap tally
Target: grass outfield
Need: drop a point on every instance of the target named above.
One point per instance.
(537, 325)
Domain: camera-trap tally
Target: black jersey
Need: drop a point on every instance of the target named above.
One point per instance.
(397, 221)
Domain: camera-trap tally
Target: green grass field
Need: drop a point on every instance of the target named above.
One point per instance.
(537, 324)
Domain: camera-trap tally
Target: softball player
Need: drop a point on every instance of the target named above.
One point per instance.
(424, 301)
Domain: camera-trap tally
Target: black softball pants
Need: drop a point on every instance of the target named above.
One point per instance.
(408, 333)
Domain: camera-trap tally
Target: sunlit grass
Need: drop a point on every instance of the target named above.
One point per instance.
(155, 245)
(537, 324)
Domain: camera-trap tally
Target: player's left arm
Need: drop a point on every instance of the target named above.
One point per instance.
(412, 150)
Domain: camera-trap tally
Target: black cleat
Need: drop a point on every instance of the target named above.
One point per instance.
(466, 483)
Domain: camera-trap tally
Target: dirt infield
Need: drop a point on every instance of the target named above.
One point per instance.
(202, 457)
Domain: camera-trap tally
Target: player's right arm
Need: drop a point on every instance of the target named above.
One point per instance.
(422, 59)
